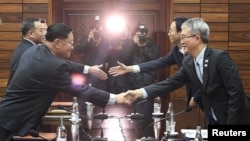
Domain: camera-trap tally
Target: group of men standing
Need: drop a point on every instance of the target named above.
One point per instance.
(40, 69)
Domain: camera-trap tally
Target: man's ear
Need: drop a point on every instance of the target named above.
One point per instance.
(30, 34)
(57, 43)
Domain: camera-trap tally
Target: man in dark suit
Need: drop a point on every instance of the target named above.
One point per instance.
(33, 31)
(33, 34)
(175, 56)
(42, 73)
(223, 96)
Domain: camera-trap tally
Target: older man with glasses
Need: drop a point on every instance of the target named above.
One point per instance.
(222, 93)
(175, 56)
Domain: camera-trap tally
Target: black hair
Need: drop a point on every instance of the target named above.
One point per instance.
(179, 21)
(28, 24)
(57, 31)
(140, 28)
(42, 20)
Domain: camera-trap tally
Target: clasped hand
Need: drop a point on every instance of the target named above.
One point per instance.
(128, 97)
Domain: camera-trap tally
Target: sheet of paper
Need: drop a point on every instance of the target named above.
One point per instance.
(190, 133)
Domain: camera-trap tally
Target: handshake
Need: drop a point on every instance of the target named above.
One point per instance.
(128, 97)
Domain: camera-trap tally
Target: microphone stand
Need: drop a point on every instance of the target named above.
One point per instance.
(146, 138)
(100, 138)
(135, 115)
(102, 115)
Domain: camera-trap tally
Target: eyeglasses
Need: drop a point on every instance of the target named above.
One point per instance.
(184, 37)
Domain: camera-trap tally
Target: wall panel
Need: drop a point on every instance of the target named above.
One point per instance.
(229, 21)
(12, 13)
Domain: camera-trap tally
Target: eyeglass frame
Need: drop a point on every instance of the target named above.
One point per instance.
(184, 37)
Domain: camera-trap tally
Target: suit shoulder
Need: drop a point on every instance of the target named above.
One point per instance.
(216, 52)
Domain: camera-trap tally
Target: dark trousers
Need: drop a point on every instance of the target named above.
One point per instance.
(5, 135)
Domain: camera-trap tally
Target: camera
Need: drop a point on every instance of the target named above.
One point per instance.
(143, 36)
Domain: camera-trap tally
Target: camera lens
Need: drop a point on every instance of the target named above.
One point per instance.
(142, 39)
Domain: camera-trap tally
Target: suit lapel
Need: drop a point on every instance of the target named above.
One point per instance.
(191, 67)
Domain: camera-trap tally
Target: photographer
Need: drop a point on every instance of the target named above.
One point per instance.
(95, 48)
(143, 50)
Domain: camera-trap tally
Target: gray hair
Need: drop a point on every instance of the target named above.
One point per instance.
(198, 26)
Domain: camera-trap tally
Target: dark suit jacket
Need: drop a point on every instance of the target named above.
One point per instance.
(40, 75)
(222, 87)
(172, 58)
(21, 48)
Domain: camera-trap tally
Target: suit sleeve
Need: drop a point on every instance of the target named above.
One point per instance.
(74, 67)
(159, 63)
(168, 85)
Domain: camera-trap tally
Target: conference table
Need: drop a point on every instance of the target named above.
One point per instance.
(117, 127)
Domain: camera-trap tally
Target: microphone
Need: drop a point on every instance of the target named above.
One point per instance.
(35, 133)
(136, 115)
(146, 138)
(100, 138)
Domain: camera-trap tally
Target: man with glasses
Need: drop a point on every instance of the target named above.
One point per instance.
(33, 31)
(210, 70)
(175, 56)
(42, 73)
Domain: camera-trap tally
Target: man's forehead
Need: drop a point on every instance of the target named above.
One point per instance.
(38, 24)
(173, 25)
(184, 30)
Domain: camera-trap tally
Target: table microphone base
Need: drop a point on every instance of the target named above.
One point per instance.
(148, 139)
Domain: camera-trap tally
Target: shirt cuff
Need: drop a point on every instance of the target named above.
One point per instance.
(136, 69)
(111, 99)
(144, 93)
(86, 69)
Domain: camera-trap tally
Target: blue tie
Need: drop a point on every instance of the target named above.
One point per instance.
(198, 71)
(213, 119)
